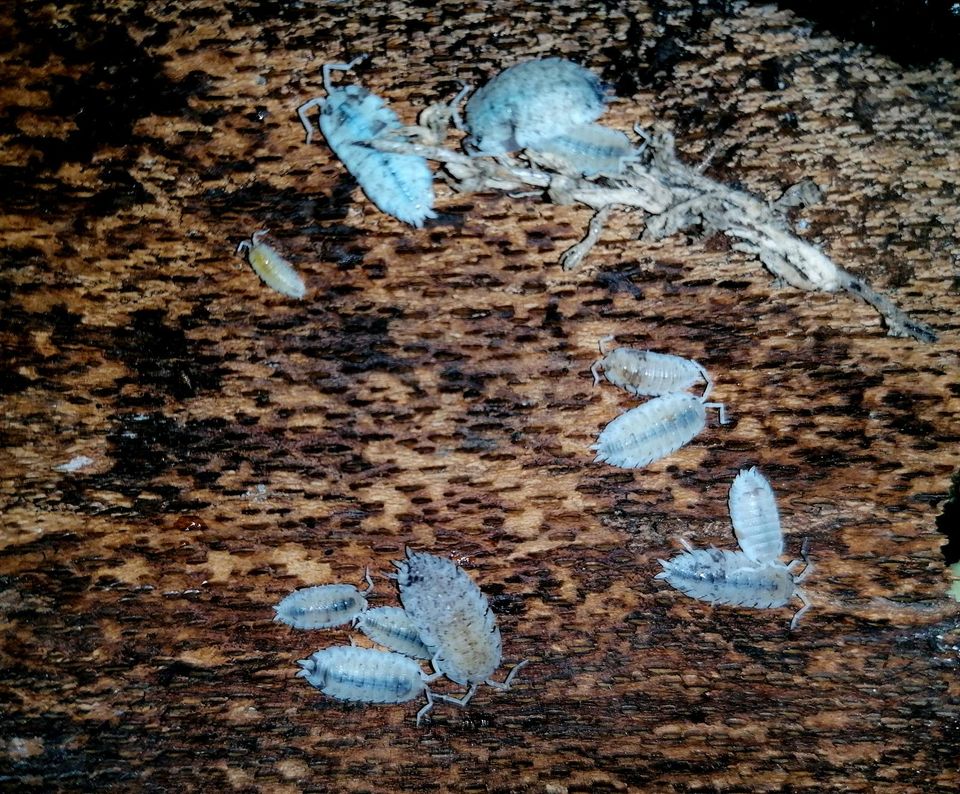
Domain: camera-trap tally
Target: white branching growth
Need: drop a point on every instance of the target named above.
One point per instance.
(672, 195)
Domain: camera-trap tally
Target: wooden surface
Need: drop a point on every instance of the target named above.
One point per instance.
(434, 390)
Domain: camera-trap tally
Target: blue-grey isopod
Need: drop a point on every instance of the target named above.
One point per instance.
(323, 606)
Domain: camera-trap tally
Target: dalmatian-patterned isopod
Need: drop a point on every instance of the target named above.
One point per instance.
(392, 628)
(532, 102)
(401, 185)
(275, 271)
(643, 372)
(324, 606)
(366, 675)
(653, 430)
(754, 577)
(454, 620)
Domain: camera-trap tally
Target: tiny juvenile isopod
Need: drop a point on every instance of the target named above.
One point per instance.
(532, 102)
(392, 628)
(454, 620)
(645, 373)
(323, 606)
(753, 577)
(653, 430)
(400, 185)
(275, 271)
(366, 675)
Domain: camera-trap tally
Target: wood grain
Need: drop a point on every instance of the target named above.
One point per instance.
(433, 389)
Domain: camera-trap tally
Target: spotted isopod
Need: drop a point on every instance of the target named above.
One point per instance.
(753, 577)
(532, 102)
(275, 271)
(755, 518)
(653, 430)
(454, 620)
(323, 606)
(366, 675)
(643, 372)
(401, 185)
(392, 628)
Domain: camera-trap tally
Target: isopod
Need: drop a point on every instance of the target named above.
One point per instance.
(653, 430)
(323, 606)
(532, 102)
(392, 628)
(718, 576)
(454, 620)
(590, 149)
(275, 271)
(643, 372)
(400, 185)
(755, 518)
(366, 675)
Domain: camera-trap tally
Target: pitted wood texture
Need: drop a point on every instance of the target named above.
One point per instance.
(433, 390)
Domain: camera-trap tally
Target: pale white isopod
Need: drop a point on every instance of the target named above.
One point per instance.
(366, 675)
(590, 149)
(454, 620)
(400, 185)
(755, 518)
(643, 372)
(718, 576)
(653, 430)
(323, 606)
(532, 102)
(275, 271)
(392, 628)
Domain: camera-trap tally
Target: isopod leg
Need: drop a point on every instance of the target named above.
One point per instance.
(462, 702)
(427, 708)
(465, 88)
(805, 557)
(595, 369)
(721, 408)
(709, 381)
(317, 101)
(509, 679)
(806, 605)
(338, 67)
(369, 581)
(244, 247)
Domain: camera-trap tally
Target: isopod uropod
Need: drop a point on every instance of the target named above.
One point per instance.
(399, 184)
(275, 271)
(643, 372)
(323, 606)
(532, 102)
(392, 628)
(754, 577)
(454, 620)
(367, 675)
(653, 430)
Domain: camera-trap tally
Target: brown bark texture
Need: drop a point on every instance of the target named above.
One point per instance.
(433, 390)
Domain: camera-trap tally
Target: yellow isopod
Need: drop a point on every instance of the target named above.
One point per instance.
(275, 271)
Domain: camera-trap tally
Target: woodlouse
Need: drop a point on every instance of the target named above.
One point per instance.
(653, 430)
(754, 577)
(454, 620)
(366, 675)
(392, 628)
(532, 102)
(645, 373)
(323, 606)
(275, 271)
(401, 185)
(590, 149)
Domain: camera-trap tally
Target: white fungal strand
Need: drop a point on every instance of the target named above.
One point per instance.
(366, 675)
(400, 185)
(755, 518)
(392, 628)
(532, 102)
(589, 150)
(323, 606)
(718, 576)
(653, 430)
(454, 620)
(275, 271)
(645, 373)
